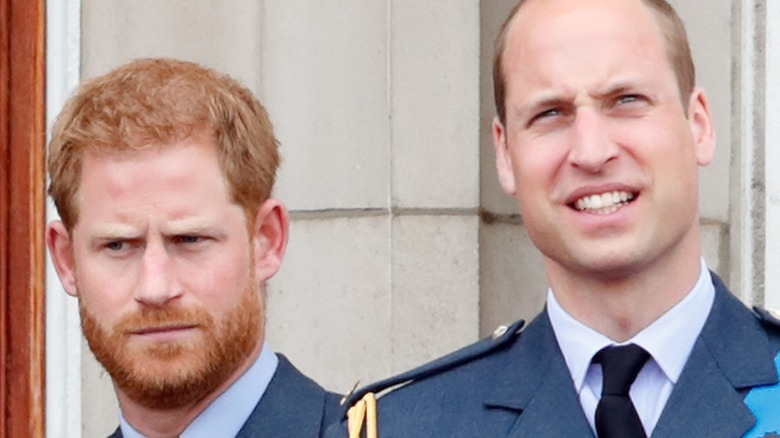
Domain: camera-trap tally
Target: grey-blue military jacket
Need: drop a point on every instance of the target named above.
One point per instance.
(517, 384)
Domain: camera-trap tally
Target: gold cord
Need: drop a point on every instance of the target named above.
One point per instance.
(364, 409)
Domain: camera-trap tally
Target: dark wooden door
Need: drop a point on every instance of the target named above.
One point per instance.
(22, 180)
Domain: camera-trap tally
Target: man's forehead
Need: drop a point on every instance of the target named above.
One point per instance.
(185, 168)
(585, 48)
(181, 152)
(543, 27)
(536, 15)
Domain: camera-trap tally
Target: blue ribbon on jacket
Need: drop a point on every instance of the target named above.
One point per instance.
(764, 402)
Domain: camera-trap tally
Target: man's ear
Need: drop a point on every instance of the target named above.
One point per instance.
(506, 175)
(269, 239)
(61, 250)
(702, 128)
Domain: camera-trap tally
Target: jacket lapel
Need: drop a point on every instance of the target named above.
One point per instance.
(730, 356)
(536, 384)
(292, 405)
(704, 402)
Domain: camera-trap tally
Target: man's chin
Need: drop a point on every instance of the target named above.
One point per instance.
(175, 374)
(161, 379)
(164, 367)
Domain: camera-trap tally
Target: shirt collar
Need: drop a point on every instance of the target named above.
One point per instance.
(669, 339)
(226, 415)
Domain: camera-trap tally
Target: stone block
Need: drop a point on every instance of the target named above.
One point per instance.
(329, 306)
(434, 74)
(512, 281)
(219, 34)
(435, 297)
(324, 81)
(714, 248)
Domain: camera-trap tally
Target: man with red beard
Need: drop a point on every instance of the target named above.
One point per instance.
(162, 171)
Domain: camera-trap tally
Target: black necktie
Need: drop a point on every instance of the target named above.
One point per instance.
(616, 415)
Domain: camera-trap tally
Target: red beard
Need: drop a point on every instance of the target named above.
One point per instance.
(171, 374)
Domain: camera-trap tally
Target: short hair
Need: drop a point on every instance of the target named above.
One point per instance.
(672, 28)
(152, 103)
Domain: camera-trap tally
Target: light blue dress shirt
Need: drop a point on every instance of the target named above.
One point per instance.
(226, 415)
(669, 340)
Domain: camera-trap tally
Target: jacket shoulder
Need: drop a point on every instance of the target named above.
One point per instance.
(293, 405)
(770, 322)
(501, 337)
(769, 318)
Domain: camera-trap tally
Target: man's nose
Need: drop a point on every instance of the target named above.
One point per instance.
(157, 281)
(590, 144)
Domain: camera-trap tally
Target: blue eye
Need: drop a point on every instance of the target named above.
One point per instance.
(116, 245)
(548, 113)
(545, 115)
(629, 98)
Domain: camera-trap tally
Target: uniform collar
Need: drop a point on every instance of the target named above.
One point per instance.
(669, 339)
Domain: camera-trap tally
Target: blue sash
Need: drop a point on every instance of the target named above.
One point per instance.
(764, 402)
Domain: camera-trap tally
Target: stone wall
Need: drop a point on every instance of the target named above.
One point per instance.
(402, 246)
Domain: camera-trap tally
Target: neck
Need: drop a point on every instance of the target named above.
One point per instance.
(169, 423)
(618, 306)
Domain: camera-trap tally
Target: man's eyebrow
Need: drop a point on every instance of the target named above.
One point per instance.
(543, 100)
(621, 87)
(190, 226)
(546, 94)
(551, 101)
(114, 231)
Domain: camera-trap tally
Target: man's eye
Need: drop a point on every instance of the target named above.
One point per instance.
(188, 239)
(628, 98)
(116, 245)
(546, 114)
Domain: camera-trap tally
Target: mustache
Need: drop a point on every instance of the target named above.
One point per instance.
(149, 318)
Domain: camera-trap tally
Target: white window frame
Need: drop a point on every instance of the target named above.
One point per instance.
(755, 219)
(772, 154)
(63, 330)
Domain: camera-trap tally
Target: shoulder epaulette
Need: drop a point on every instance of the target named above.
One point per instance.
(768, 317)
(501, 336)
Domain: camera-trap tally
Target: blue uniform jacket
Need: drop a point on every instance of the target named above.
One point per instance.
(517, 384)
(292, 406)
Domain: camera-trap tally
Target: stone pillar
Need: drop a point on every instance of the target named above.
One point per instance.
(755, 193)
(771, 86)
